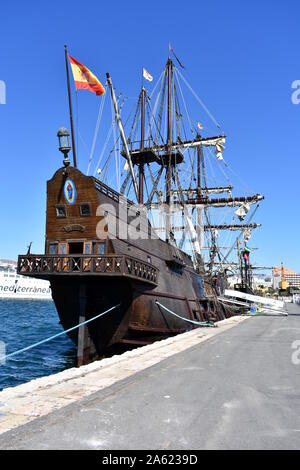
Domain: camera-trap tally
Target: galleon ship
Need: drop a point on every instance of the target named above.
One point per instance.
(134, 239)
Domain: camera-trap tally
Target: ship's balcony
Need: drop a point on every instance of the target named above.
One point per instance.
(47, 266)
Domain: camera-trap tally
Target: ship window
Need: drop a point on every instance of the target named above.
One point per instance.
(85, 209)
(63, 249)
(53, 248)
(148, 259)
(60, 211)
(87, 248)
(101, 248)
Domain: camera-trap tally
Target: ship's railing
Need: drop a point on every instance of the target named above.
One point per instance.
(136, 145)
(108, 265)
(103, 188)
(111, 193)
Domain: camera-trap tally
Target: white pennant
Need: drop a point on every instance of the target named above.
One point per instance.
(147, 75)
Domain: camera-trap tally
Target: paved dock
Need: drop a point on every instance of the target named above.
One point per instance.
(230, 388)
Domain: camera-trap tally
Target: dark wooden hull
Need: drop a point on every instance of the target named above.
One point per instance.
(133, 273)
(137, 321)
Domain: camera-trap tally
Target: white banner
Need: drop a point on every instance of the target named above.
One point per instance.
(147, 75)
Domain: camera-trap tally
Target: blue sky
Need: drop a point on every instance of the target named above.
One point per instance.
(241, 57)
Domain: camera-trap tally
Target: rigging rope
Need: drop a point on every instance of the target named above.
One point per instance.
(151, 119)
(198, 323)
(58, 334)
(115, 144)
(162, 99)
(106, 142)
(152, 92)
(184, 103)
(104, 148)
(97, 129)
(83, 141)
(199, 100)
(130, 139)
(77, 122)
(249, 220)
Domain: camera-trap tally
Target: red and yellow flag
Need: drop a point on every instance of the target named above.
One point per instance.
(84, 79)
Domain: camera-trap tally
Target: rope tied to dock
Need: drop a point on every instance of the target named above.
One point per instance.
(198, 323)
(6, 356)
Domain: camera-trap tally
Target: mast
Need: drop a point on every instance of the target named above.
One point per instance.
(199, 209)
(142, 147)
(239, 259)
(70, 108)
(199, 171)
(169, 146)
(122, 134)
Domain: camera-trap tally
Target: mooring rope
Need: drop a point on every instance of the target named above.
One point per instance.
(6, 356)
(198, 323)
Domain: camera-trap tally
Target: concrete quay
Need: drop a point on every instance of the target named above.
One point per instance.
(222, 388)
(39, 397)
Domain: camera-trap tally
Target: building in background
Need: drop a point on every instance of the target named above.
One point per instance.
(292, 278)
(263, 281)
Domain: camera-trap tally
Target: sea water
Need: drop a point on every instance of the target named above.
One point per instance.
(22, 323)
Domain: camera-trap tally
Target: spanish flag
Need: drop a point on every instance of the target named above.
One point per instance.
(84, 79)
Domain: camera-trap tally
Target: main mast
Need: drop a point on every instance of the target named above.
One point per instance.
(169, 151)
(142, 147)
(199, 210)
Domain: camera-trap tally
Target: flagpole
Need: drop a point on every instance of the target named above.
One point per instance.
(70, 107)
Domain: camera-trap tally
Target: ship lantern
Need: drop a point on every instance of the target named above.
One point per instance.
(64, 144)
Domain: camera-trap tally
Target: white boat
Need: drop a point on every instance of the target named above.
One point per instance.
(14, 286)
